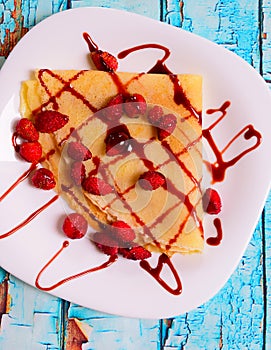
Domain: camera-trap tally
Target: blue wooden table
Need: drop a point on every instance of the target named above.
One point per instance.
(239, 316)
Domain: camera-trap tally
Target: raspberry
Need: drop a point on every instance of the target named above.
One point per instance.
(105, 243)
(151, 180)
(211, 201)
(113, 110)
(116, 143)
(154, 115)
(104, 61)
(122, 232)
(50, 121)
(96, 186)
(78, 151)
(135, 105)
(78, 172)
(26, 129)
(43, 179)
(166, 126)
(135, 253)
(75, 226)
(30, 151)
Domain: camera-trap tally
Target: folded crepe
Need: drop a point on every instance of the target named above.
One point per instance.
(168, 219)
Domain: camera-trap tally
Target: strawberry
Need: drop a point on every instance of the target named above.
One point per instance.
(26, 129)
(135, 253)
(78, 172)
(105, 243)
(96, 186)
(114, 110)
(77, 151)
(151, 180)
(116, 143)
(50, 121)
(104, 61)
(30, 151)
(122, 232)
(211, 201)
(135, 105)
(43, 179)
(154, 115)
(75, 226)
(166, 126)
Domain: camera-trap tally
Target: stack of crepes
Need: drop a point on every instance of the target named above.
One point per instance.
(168, 219)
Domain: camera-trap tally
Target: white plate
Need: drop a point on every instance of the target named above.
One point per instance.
(125, 288)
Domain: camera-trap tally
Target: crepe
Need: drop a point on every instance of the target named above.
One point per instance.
(168, 219)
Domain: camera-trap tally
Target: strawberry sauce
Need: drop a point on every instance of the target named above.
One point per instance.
(30, 218)
(65, 245)
(217, 239)
(219, 167)
(156, 271)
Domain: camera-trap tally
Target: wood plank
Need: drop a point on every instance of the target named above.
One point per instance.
(150, 8)
(112, 332)
(32, 321)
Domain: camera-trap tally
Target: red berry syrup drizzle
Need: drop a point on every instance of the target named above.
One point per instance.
(20, 179)
(219, 167)
(30, 218)
(65, 244)
(214, 241)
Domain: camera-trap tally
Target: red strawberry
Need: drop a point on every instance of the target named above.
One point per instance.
(77, 151)
(26, 129)
(135, 105)
(96, 186)
(166, 126)
(43, 179)
(113, 110)
(116, 143)
(104, 61)
(78, 172)
(50, 121)
(211, 201)
(135, 253)
(31, 151)
(75, 226)
(122, 232)
(151, 180)
(154, 115)
(105, 243)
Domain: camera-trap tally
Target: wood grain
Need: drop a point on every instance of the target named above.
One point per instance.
(239, 316)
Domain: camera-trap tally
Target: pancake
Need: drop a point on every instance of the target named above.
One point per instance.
(167, 219)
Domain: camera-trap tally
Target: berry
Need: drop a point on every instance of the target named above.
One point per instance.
(43, 179)
(151, 180)
(26, 129)
(122, 232)
(75, 226)
(155, 114)
(78, 151)
(78, 172)
(135, 105)
(211, 201)
(114, 110)
(30, 151)
(50, 121)
(116, 143)
(105, 243)
(104, 61)
(135, 253)
(166, 126)
(96, 186)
